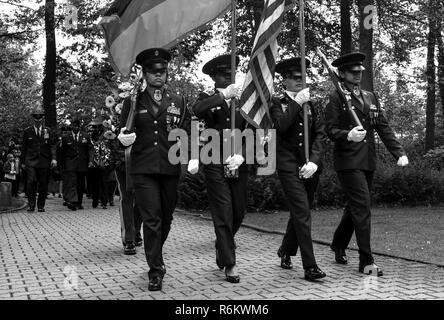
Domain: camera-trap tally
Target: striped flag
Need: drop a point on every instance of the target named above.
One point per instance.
(131, 26)
(258, 86)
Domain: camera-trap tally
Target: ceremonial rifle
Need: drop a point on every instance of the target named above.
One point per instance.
(345, 95)
(137, 83)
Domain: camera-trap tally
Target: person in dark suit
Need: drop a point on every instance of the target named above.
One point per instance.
(298, 177)
(155, 179)
(227, 196)
(38, 155)
(75, 149)
(355, 157)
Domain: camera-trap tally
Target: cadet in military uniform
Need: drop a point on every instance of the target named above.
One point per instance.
(75, 149)
(155, 179)
(38, 156)
(298, 178)
(355, 157)
(227, 196)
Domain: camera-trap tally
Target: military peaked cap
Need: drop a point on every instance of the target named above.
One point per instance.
(293, 64)
(350, 61)
(222, 62)
(153, 55)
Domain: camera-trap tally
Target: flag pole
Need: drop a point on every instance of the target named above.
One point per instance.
(233, 173)
(304, 79)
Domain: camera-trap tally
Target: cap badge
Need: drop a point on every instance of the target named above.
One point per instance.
(156, 53)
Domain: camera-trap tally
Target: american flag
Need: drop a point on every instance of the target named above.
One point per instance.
(258, 87)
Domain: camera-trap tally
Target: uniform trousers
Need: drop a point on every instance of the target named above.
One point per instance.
(156, 199)
(37, 179)
(298, 233)
(130, 220)
(228, 202)
(98, 186)
(74, 186)
(357, 186)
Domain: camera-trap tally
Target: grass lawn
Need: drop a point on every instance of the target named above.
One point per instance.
(414, 233)
(16, 203)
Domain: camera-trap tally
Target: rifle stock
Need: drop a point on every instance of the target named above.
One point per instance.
(345, 95)
(129, 127)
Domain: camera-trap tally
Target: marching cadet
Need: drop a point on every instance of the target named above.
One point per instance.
(298, 178)
(75, 149)
(355, 157)
(227, 196)
(38, 156)
(155, 179)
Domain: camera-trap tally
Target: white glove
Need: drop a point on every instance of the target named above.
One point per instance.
(357, 134)
(235, 161)
(303, 96)
(126, 139)
(403, 161)
(193, 166)
(53, 163)
(308, 170)
(232, 91)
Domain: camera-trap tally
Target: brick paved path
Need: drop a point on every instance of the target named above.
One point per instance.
(36, 249)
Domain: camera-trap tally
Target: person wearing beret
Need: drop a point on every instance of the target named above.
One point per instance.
(355, 157)
(155, 179)
(38, 156)
(299, 178)
(75, 149)
(227, 196)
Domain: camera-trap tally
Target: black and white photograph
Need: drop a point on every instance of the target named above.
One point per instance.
(229, 157)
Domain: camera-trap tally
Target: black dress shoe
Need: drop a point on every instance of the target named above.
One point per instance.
(41, 210)
(65, 203)
(371, 269)
(130, 248)
(71, 206)
(340, 255)
(31, 209)
(79, 207)
(155, 284)
(232, 279)
(314, 273)
(285, 260)
(139, 241)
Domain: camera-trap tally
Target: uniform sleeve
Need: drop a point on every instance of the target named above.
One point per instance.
(24, 148)
(332, 114)
(319, 136)
(283, 119)
(205, 103)
(387, 135)
(54, 140)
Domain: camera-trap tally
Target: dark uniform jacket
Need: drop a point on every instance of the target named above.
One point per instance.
(38, 151)
(75, 154)
(216, 114)
(362, 155)
(149, 153)
(289, 125)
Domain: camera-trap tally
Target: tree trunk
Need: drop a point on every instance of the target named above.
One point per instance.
(431, 78)
(346, 31)
(258, 7)
(49, 90)
(366, 41)
(441, 70)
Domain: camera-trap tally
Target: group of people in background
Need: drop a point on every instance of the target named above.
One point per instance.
(148, 183)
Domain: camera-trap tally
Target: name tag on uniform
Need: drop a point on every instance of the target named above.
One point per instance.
(84, 140)
(142, 111)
